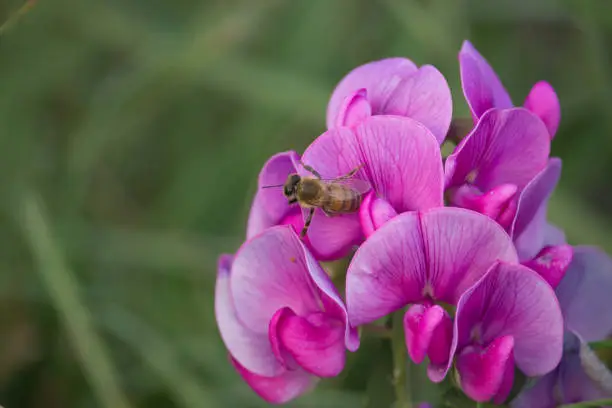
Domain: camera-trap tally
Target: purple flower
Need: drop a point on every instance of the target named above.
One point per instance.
(505, 312)
(584, 297)
(280, 316)
(392, 86)
(400, 158)
(483, 90)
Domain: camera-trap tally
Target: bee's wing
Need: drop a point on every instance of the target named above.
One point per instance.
(358, 185)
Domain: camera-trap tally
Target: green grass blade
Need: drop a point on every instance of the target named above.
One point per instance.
(63, 291)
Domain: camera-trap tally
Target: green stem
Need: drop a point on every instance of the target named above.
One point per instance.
(12, 20)
(400, 362)
(603, 344)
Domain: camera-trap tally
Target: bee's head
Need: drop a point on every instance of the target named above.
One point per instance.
(290, 187)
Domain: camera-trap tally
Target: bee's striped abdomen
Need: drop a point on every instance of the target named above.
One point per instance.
(341, 199)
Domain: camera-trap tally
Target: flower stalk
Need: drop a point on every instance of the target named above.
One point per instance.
(400, 362)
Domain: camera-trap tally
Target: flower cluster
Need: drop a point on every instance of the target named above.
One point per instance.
(460, 245)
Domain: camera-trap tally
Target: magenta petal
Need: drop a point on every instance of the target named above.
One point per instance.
(274, 270)
(506, 384)
(354, 109)
(332, 238)
(379, 78)
(270, 205)
(543, 101)
(441, 341)
(278, 389)
(420, 321)
(373, 213)
(435, 254)
(530, 228)
(481, 371)
(251, 348)
(271, 271)
(424, 96)
(512, 300)
(498, 204)
(509, 146)
(552, 263)
(584, 294)
(316, 342)
(481, 86)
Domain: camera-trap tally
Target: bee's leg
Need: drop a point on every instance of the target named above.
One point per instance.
(350, 173)
(307, 222)
(311, 170)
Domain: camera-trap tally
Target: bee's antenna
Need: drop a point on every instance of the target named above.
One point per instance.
(277, 185)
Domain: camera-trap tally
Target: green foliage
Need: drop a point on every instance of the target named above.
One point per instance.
(131, 135)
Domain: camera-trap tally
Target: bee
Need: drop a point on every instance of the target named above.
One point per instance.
(340, 195)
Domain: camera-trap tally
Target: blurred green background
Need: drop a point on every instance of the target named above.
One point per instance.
(131, 135)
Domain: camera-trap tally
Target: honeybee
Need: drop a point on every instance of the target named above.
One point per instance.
(340, 195)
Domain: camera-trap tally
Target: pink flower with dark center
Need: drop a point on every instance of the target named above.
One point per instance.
(505, 311)
(280, 316)
(392, 86)
(399, 158)
(483, 90)
(584, 297)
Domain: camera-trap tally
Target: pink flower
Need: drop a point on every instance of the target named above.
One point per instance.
(510, 317)
(507, 147)
(400, 158)
(502, 170)
(483, 90)
(505, 312)
(392, 86)
(280, 316)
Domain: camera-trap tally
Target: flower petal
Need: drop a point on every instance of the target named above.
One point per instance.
(512, 300)
(316, 342)
(401, 160)
(437, 253)
(271, 271)
(529, 229)
(429, 331)
(498, 204)
(482, 371)
(270, 205)
(278, 389)
(373, 213)
(538, 394)
(251, 348)
(355, 108)
(426, 97)
(552, 263)
(543, 101)
(379, 78)
(509, 146)
(481, 86)
(584, 294)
